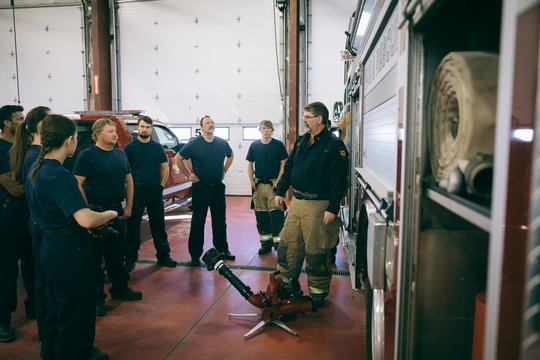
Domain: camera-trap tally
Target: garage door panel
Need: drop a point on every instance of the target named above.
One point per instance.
(50, 58)
(214, 58)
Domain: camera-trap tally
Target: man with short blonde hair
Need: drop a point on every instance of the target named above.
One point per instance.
(266, 123)
(104, 176)
(268, 155)
(99, 125)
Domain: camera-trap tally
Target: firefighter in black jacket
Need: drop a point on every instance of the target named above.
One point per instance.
(317, 170)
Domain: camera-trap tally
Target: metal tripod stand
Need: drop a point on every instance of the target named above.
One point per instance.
(262, 324)
(271, 302)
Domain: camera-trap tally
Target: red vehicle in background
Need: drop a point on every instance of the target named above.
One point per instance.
(178, 187)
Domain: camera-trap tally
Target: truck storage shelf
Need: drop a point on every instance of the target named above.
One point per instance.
(476, 211)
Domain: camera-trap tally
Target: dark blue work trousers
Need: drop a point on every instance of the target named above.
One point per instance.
(71, 319)
(71, 313)
(15, 244)
(39, 288)
(206, 196)
(152, 200)
(112, 248)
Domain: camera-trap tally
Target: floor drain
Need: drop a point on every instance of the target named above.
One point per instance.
(244, 267)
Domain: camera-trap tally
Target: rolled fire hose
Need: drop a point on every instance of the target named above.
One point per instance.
(343, 125)
(461, 117)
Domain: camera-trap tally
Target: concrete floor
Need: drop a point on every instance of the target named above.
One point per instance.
(184, 312)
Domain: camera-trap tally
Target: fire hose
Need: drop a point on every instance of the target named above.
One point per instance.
(277, 301)
(461, 120)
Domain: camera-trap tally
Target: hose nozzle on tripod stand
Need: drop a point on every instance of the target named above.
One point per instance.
(274, 303)
(214, 261)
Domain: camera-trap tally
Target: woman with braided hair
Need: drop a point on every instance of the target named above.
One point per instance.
(27, 142)
(60, 211)
(23, 153)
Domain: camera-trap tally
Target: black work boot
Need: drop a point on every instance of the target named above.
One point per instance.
(95, 354)
(291, 289)
(318, 302)
(266, 247)
(7, 333)
(127, 294)
(195, 262)
(167, 262)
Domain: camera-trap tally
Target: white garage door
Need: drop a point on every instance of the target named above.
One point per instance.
(50, 58)
(181, 60)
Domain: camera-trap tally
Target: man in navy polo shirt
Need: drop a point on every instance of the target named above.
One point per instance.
(150, 173)
(268, 155)
(207, 153)
(105, 180)
(11, 117)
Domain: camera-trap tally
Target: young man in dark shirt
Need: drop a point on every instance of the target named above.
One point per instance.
(268, 155)
(207, 153)
(11, 117)
(105, 180)
(150, 173)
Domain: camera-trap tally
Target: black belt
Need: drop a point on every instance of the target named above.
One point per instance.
(264, 180)
(70, 229)
(305, 195)
(107, 206)
(207, 184)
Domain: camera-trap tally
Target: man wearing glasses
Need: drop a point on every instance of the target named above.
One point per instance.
(317, 171)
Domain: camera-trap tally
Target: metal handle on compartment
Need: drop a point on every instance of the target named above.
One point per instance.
(409, 11)
(381, 205)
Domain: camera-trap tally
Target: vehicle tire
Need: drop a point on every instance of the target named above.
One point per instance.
(369, 320)
(374, 297)
(374, 323)
(361, 275)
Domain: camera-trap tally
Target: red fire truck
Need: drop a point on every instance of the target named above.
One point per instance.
(442, 213)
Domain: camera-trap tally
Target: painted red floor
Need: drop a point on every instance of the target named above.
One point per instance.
(184, 312)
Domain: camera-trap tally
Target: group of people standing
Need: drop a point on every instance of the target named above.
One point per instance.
(41, 207)
(316, 169)
(46, 212)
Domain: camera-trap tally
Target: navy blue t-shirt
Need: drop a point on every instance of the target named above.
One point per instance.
(4, 166)
(105, 173)
(31, 157)
(53, 195)
(145, 160)
(267, 157)
(207, 157)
